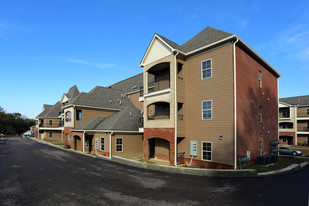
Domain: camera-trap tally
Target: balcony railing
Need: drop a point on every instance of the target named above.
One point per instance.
(284, 116)
(54, 125)
(302, 114)
(303, 129)
(156, 86)
(157, 117)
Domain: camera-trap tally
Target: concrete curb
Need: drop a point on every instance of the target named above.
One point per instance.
(189, 171)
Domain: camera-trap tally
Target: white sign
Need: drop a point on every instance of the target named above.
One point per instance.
(193, 148)
(96, 143)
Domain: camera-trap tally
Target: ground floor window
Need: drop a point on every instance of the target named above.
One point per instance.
(283, 139)
(102, 143)
(260, 149)
(50, 134)
(119, 145)
(207, 151)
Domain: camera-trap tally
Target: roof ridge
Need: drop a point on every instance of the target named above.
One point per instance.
(124, 80)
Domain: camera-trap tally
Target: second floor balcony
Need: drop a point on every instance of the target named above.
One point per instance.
(52, 125)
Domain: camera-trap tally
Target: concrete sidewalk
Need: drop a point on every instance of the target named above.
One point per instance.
(190, 171)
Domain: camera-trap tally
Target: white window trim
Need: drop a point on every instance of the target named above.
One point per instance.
(202, 151)
(101, 144)
(211, 109)
(202, 69)
(121, 144)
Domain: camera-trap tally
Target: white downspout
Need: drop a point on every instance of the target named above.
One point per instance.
(235, 108)
(110, 145)
(176, 106)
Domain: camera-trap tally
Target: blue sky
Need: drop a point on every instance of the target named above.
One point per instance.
(48, 46)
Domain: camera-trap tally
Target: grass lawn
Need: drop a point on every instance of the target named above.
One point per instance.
(282, 163)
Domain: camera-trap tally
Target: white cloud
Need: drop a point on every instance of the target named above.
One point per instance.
(97, 65)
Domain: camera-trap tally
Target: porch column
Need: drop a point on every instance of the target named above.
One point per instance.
(83, 142)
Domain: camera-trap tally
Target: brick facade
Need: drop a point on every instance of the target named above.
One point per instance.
(163, 133)
(250, 96)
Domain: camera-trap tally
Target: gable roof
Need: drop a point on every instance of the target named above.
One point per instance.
(209, 38)
(298, 100)
(101, 97)
(73, 92)
(52, 111)
(125, 120)
(47, 106)
(130, 84)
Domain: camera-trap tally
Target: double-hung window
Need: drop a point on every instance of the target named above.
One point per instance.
(50, 134)
(119, 145)
(206, 69)
(307, 112)
(207, 109)
(78, 114)
(50, 122)
(260, 79)
(206, 151)
(260, 114)
(102, 143)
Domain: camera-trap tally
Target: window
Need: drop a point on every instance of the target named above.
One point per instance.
(206, 69)
(207, 109)
(307, 125)
(119, 144)
(284, 113)
(78, 114)
(284, 126)
(260, 114)
(260, 149)
(284, 139)
(260, 79)
(50, 122)
(68, 117)
(307, 111)
(50, 134)
(206, 151)
(102, 143)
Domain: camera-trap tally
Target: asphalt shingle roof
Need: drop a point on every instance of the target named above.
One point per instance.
(129, 85)
(298, 100)
(101, 97)
(207, 36)
(125, 120)
(51, 111)
(73, 92)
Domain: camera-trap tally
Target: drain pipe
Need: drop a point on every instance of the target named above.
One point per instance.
(83, 142)
(235, 108)
(110, 145)
(176, 106)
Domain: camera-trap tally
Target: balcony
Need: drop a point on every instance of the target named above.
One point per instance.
(158, 111)
(157, 85)
(302, 115)
(53, 125)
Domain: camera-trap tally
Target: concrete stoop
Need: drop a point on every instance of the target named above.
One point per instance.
(191, 171)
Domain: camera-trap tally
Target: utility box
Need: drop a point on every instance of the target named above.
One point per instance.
(193, 148)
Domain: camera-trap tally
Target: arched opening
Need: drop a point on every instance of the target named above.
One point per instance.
(68, 116)
(159, 77)
(77, 143)
(158, 110)
(159, 148)
(286, 125)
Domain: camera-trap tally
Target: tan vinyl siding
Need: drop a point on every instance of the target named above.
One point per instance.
(132, 145)
(134, 99)
(55, 122)
(56, 135)
(219, 89)
(88, 114)
(302, 112)
(302, 125)
(106, 141)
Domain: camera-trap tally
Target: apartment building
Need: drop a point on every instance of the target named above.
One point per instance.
(208, 101)
(106, 120)
(294, 120)
(49, 125)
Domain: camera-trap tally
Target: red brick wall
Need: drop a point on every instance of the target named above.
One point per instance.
(249, 97)
(163, 133)
(67, 130)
